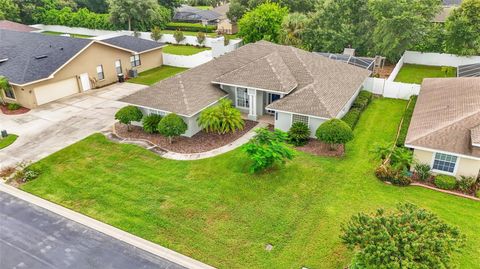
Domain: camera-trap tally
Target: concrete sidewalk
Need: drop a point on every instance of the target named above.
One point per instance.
(116, 233)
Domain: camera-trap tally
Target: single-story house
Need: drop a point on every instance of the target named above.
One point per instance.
(187, 13)
(445, 128)
(43, 68)
(262, 79)
(225, 25)
(15, 26)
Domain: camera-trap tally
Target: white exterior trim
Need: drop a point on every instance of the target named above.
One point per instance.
(288, 112)
(455, 169)
(253, 88)
(442, 151)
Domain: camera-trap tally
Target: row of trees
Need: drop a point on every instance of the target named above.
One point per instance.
(381, 27)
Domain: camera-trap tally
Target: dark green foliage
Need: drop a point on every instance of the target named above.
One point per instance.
(393, 175)
(334, 132)
(299, 134)
(262, 23)
(382, 150)
(150, 123)
(156, 33)
(466, 184)
(179, 37)
(406, 121)
(268, 148)
(97, 6)
(409, 237)
(422, 171)
(172, 126)
(222, 118)
(128, 114)
(13, 106)
(81, 18)
(191, 27)
(463, 29)
(352, 117)
(445, 182)
(401, 158)
(361, 103)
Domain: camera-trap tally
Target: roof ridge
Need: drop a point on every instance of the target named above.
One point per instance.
(244, 66)
(184, 95)
(275, 70)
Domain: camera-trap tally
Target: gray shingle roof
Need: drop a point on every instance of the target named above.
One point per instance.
(132, 43)
(21, 49)
(188, 13)
(324, 86)
(446, 114)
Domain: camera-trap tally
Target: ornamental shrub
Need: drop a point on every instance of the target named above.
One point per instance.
(150, 123)
(422, 171)
(465, 184)
(156, 33)
(352, 117)
(222, 118)
(366, 95)
(201, 38)
(172, 126)
(13, 106)
(128, 114)
(401, 158)
(445, 182)
(408, 237)
(361, 103)
(179, 37)
(334, 132)
(299, 134)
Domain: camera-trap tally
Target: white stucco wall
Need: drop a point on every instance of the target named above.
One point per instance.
(283, 121)
(348, 105)
(465, 166)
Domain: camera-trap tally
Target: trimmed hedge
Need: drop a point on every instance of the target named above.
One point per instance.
(191, 27)
(445, 182)
(363, 100)
(352, 117)
(407, 117)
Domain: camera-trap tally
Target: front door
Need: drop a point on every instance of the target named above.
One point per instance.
(272, 97)
(85, 81)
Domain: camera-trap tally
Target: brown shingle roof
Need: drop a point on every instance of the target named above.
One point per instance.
(14, 26)
(324, 86)
(447, 111)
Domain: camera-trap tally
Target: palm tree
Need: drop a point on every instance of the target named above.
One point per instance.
(292, 29)
(223, 118)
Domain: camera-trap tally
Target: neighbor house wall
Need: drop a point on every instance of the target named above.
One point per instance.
(465, 166)
(149, 60)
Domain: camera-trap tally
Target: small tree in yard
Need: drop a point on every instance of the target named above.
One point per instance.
(201, 38)
(128, 114)
(299, 134)
(172, 126)
(409, 237)
(223, 118)
(156, 33)
(334, 132)
(4, 86)
(179, 37)
(268, 148)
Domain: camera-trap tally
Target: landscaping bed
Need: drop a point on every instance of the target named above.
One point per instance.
(319, 148)
(17, 111)
(201, 142)
(185, 50)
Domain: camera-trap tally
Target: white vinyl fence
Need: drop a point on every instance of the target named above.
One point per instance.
(187, 61)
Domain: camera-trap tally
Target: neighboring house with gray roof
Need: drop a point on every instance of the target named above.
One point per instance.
(187, 13)
(445, 128)
(263, 80)
(43, 68)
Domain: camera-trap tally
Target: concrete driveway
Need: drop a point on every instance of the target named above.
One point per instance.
(32, 237)
(53, 126)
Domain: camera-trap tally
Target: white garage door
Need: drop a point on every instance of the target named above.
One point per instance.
(56, 90)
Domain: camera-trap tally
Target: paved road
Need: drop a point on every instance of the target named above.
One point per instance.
(34, 238)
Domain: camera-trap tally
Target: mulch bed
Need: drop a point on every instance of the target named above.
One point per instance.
(19, 111)
(201, 142)
(318, 148)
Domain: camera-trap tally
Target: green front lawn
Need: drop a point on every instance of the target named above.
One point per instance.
(183, 49)
(71, 35)
(7, 141)
(413, 73)
(154, 75)
(215, 211)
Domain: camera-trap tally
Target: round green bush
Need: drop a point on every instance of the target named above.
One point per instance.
(334, 132)
(299, 134)
(128, 114)
(172, 125)
(150, 123)
(445, 182)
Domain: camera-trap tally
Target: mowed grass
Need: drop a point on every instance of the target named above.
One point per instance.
(413, 73)
(183, 49)
(154, 75)
(215, 211)
(60, 33)
(7, 141)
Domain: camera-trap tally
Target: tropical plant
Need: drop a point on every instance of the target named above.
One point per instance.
(128, 114)
(292, 29)
(156, 33)
(138, 13)
(401, 158)
(382, 150)
(408, 237)
(465, 184)
(222, 118)
(334, 132)
(4, 86)
(262, 23)
(178, 35)
(150, 123)
(422, 171)
(445, 182)
(268, 148)
(299, 134)
(201, 37)
(172, 126)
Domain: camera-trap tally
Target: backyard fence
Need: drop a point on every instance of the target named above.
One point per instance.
(187, 61)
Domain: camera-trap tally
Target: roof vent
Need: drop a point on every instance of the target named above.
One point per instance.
(41, 57)
(3, 60)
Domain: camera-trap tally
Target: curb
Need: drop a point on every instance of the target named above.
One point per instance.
(109, 230)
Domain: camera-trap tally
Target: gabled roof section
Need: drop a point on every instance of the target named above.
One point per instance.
(267, 73)
(22, 50)
(133, 44)
(446, 112)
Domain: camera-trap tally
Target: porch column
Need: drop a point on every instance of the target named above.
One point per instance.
(252, 100)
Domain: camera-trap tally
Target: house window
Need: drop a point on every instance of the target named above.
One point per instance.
(135, 60)
(299, 118)
(150, 111)
(118, 66)
(444, 162)
(100, 74)
(9, 93)
(242, 98)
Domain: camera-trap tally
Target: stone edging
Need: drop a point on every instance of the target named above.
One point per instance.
(445, 191)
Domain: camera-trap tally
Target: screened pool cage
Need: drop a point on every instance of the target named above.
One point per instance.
(363, 62)
(469, 70)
